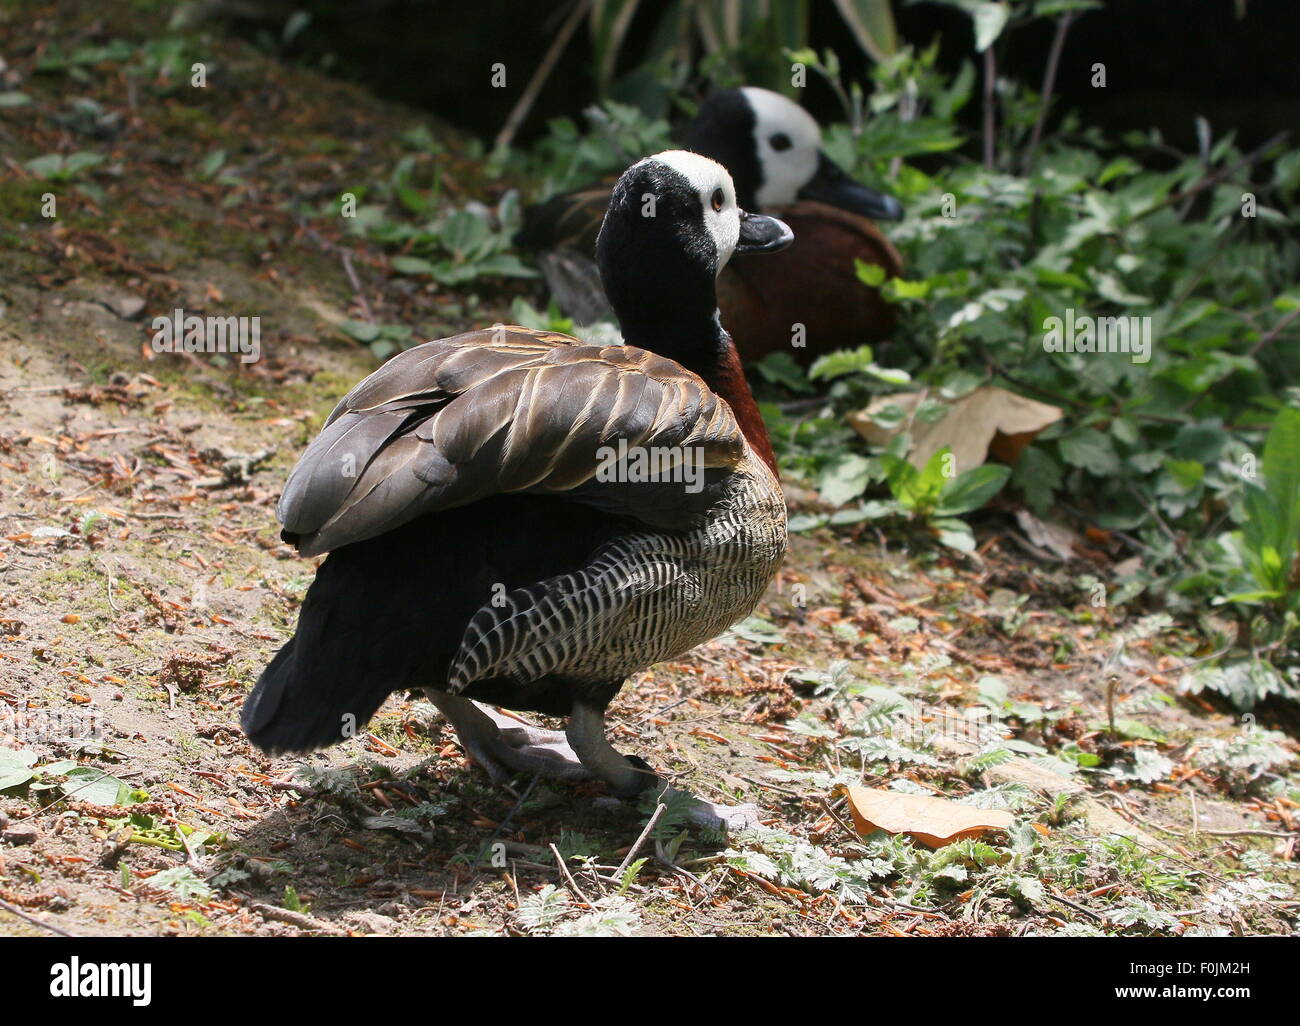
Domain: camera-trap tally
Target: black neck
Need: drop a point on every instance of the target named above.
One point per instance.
(694, 339)
(724, 130)
(659, 267)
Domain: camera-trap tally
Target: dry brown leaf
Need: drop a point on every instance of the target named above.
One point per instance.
(1053, 538)
(987, 420)
(932, 821)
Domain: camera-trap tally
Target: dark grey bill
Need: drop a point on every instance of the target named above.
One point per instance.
(831, 185)
(760, 233)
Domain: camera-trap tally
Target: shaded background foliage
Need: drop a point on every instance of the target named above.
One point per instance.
(1178, 60)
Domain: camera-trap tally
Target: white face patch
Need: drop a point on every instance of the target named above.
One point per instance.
(708, 178)
(785, 171)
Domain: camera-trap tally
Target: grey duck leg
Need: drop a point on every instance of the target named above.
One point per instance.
(628, 775)
(500, 745)
(504, 746)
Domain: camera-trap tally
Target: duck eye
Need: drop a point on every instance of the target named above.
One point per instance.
(780, 142)
(718, 200)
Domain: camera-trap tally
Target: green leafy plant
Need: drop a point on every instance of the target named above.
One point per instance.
(183, 882)
(540, 912)
(56, 167)
(738, 42)
(1268, 539)
(934, 495)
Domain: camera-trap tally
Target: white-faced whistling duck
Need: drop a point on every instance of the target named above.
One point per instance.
(490, 536)
(772, 147)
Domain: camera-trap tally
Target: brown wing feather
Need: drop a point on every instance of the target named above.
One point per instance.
(502, 410)
(570, 220)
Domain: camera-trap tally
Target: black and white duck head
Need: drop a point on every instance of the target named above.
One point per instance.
(773, 148)
(673, 223)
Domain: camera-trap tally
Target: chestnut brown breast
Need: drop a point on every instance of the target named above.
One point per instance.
(813, 283)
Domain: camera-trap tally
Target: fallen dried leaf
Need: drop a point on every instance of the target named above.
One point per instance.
(987, 420)
(932, 821)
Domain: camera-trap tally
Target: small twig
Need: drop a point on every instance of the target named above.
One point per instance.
(569, 876)
(15, 910)
(298, 919)
(345, 255)
(529, 96)
(909, 106)
(1078, 908)
(1196, 662)
(1155, 515)
(1254, 156)
(191, 859)
(505, 823)
(1273, 332)
(631, 855)
(660, 711)
(771, 787)
(990, 76)
(1049, 83)
(830, 811)
(108, 572)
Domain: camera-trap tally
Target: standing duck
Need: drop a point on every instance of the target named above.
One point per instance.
(493, 533)
(772, 147)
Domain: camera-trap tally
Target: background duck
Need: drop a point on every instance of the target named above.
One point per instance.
(772, 147)
(475, 549)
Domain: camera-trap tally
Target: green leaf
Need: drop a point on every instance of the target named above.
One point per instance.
(14, 99)
(758, 630)
(780, 368)
(971, 489)
(955, 534)
(1090, 449)
(901, 288)
(15, 768)
(45, 167)
(183, 882)
(56, 769)
(81, 161)
(411, 265)
(837, 364)
(990, 20)
(630, 874)
(844, 478)
(1277, 520)
(872, 25)
(211, 165)
(88, 784)
(1187, 473)
(917, 491)
(360, 330)
(465, 233)
(871, 274)
(1117, 168)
